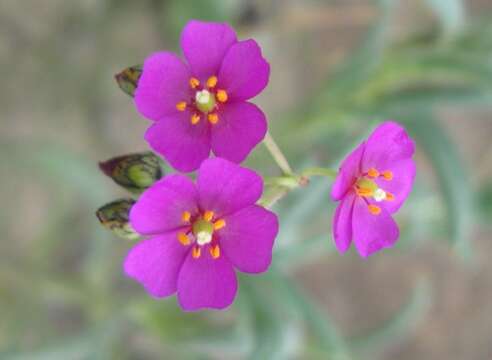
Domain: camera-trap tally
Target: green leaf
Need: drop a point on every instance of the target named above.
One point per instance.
(115, 217)
(127, 79)
(134, 172)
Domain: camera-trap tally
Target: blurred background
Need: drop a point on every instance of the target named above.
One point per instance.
(338, 68)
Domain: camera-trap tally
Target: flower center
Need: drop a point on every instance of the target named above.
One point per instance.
(205, 101)
(366, 188)
(203, 231)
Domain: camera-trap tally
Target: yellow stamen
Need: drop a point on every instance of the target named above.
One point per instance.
(195, 119)
(213, 118)
(215, 251)
(219, 224)
(186, 216)
(364, 192)
(372, 173)
(389, 196)
(387, 175)
(194, 82)
(181, 106)
(183, 238)
(208, 215)
(373, 209)
(222, 95)
(212, 81)
(196, 252)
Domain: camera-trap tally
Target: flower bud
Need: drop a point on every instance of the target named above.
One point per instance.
(128, 79)
(115, 217)
(134, 172)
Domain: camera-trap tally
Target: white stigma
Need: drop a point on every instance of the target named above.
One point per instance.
(379, 195)
(202, 97)
(203, 237)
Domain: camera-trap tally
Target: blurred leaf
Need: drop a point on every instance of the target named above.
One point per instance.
(128, 78)
(133, 172)
(451, 14)
(452, 177)
(403, 322)
(115, 217)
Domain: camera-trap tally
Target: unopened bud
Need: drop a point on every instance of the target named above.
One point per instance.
(115, 217)
(128, 79)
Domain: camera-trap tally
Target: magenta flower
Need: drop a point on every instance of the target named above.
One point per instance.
(373, 182)
(199, 233)
(201, 105)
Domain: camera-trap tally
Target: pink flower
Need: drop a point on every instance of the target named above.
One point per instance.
(373, 182)
(201, 105)
(199, 233)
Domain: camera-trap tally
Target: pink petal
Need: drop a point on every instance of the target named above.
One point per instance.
(401, 184)
(225, 187)
(163, 83)
(372, 232)
(388, 144)
(342, 223)
(183, 144)
(155, 263)
(160, 207)
(247, 239)
(204, 45)
(206, 283)
(244, 72)
(348, 173)
(240, 128)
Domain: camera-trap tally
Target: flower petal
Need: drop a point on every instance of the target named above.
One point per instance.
(348, 173)
(247, 239)
(206, 283)
(240, 128)
(244, 72)
(342, 223)
(372, 232)
(163, 83)
(160, 207)
(400, 186)
(204, 45)
(155, 263)
(388, 144)
(225, 187)
(183, 144)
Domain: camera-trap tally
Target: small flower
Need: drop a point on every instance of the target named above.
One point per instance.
(198, 233)
(201, 105)
(373, 182)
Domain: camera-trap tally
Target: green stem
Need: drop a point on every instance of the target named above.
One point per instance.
(318, 171)
(277, 154)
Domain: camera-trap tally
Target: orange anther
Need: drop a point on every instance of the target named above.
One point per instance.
(215, 251)
(186, 216)
(183, 238)
(196, 252)
(389, 196)
(194, 82)
(364, 192)
(212, 81)
(387, 175)
(213, 118)
(222, 95)
(219, 224)
(373, 209)
(372, 173)
(181, 106)
(208, 215)
(195, 119)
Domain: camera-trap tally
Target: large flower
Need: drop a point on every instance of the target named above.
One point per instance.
(201, 105)
(373, 182)
(199, 233)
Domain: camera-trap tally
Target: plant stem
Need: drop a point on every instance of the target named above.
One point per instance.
(318, 171)
(277, 154)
